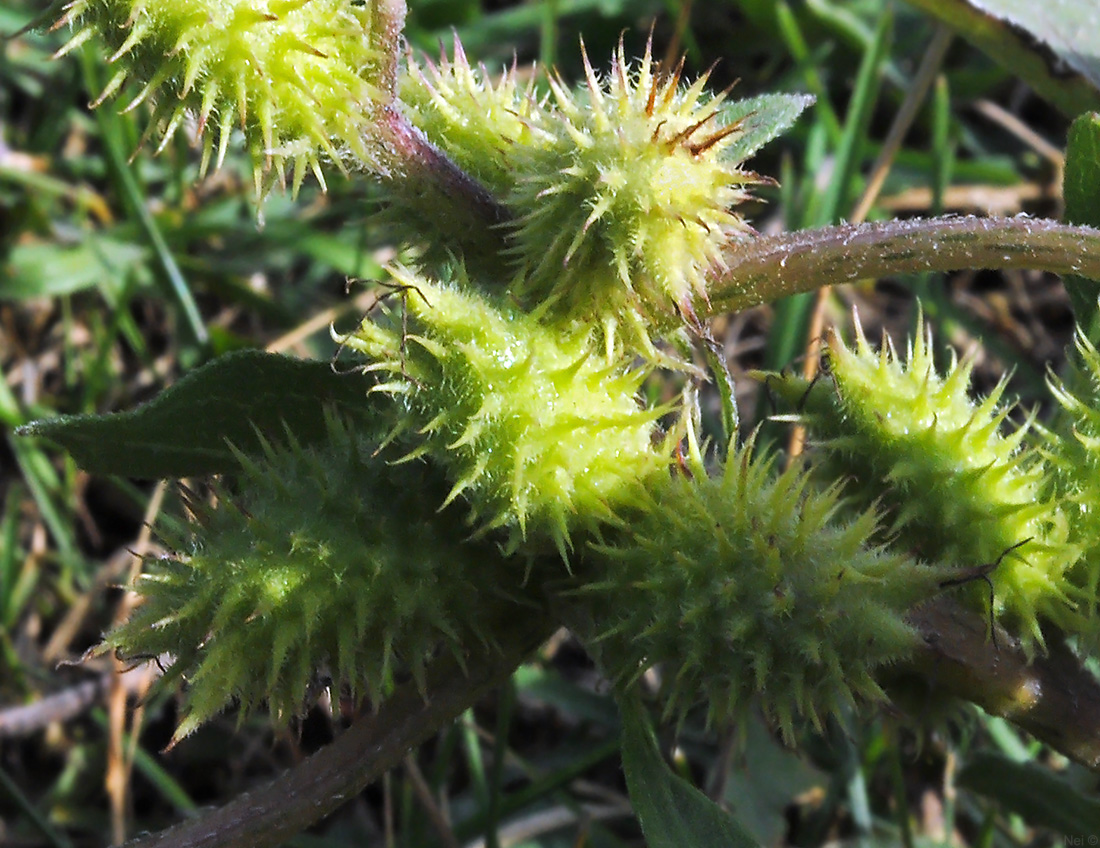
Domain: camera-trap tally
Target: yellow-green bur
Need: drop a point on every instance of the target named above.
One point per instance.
(537, 432)
(622, 193)
(958, 488)
(302, 80)
(625, 201)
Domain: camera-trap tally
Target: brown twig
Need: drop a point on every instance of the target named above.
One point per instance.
(25, 719)
(1053, 697)
(67, 704)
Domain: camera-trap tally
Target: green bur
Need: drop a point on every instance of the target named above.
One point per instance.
(622, 194)
(538, 433)
(959, 485)
(751, 584)
(324, 561)
(303, 81)
(1073, 450)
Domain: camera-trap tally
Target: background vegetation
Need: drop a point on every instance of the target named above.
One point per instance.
(121, 271)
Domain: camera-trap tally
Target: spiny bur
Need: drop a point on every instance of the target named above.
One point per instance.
(1074, 454)
(477, 117)
(625, 199)
(622, 193)
(751, 584)
(326, 562)
(301, 78)
(539, 435)
(961, 484)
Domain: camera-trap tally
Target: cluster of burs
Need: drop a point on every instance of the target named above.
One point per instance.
(527, 432)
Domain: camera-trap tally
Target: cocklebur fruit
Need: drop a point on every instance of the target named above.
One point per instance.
(1074, 454)
(476, 117)
(751, 584)
(323, 560)
(619, 198)
(624, 199)
(961, 486)
(537, 432)
(302, 79)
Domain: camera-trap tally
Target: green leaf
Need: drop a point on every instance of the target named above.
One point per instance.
(765, 117)
(1038, 796)
(1036, 41)
(187, 429)
(764, 787)
(577, 702)
(1081, 189)
(46, 270)
(672, 812)
(1068, 28)
(349, 259)
(1082, 178)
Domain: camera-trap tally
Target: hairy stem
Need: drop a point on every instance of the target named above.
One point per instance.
(1053, 697)
(763, 269)
(390, 21)
(440, 199)
(375, 743)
